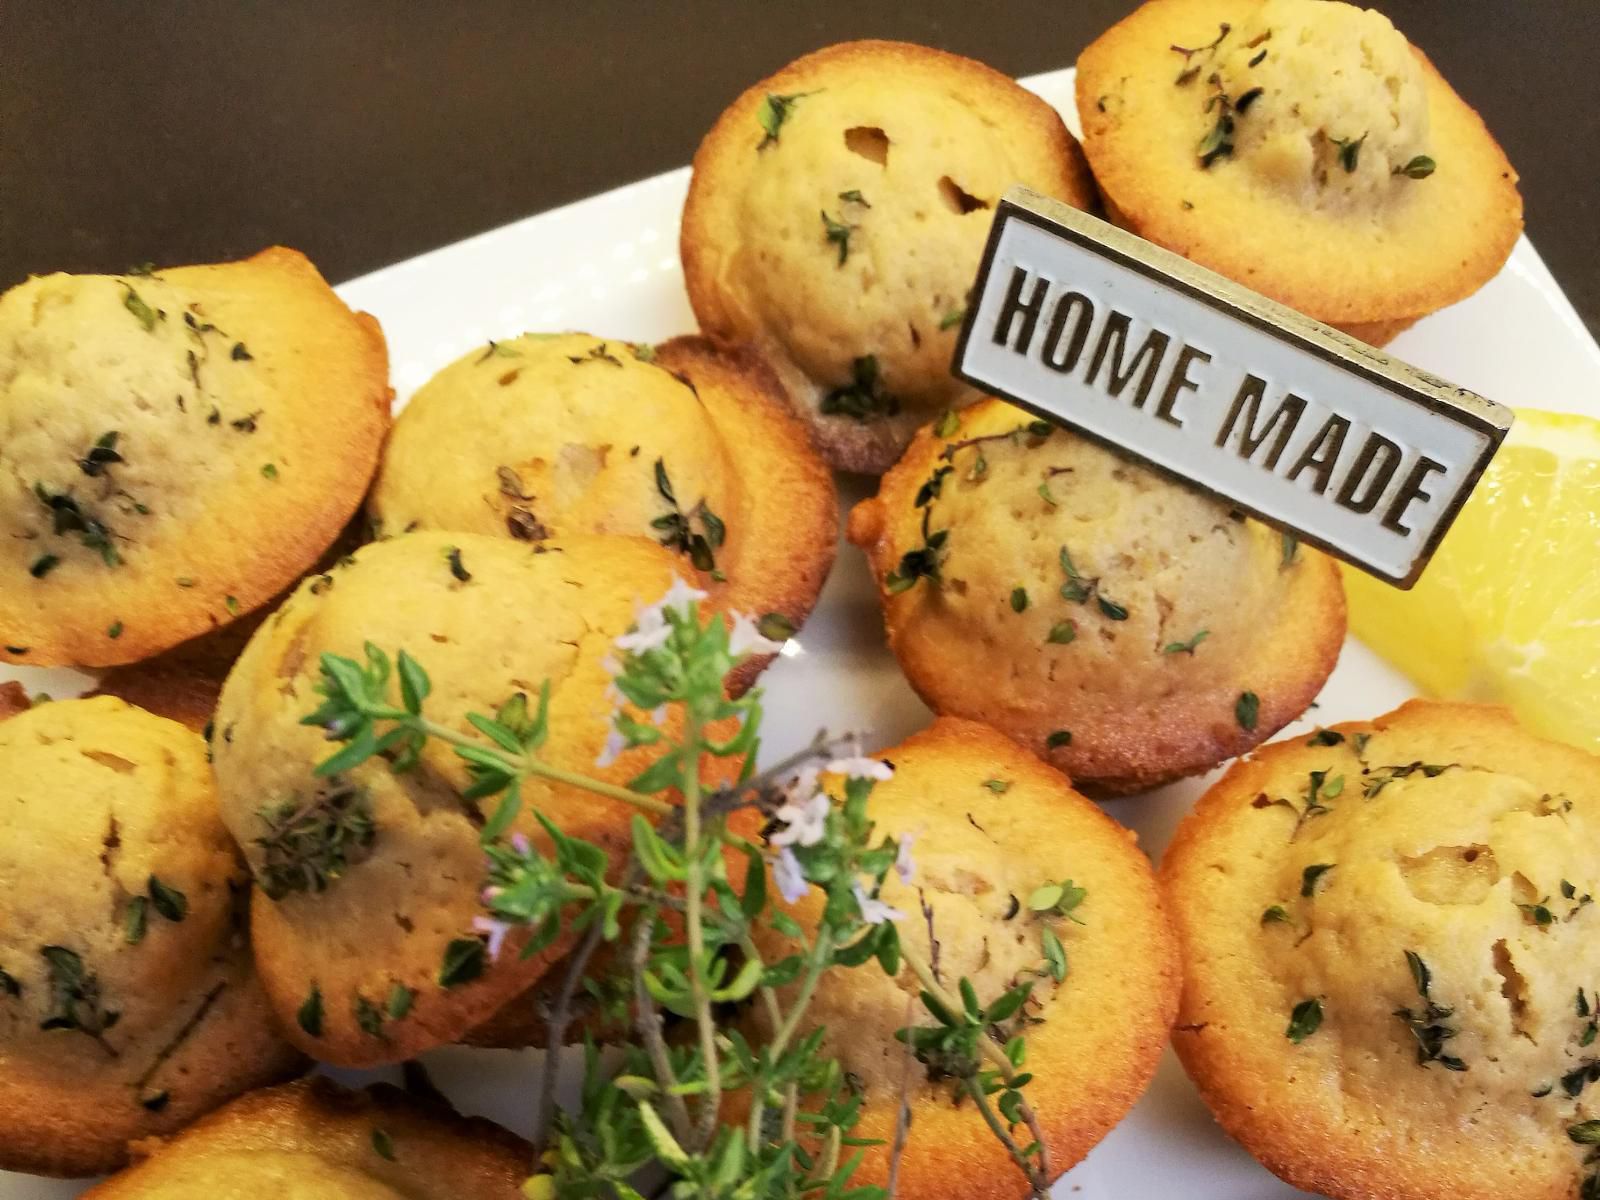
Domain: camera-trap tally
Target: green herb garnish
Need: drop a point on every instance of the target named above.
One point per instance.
(464, 960)
(101, 455)
(399, 1001)
(598, 353)
(1349, 151)
(864, 398)
(1305, 1020)
(308, 846)
(68, 516)
(676, 529)
(167, 900)
(837, 233)
(309, 1015)
(75, 1000)
(368, 1016)
(772, 114)
(134, 303)
(1247, 710)
(135, 920)
(1428, 1026)
(1310, 877)
(775, 627)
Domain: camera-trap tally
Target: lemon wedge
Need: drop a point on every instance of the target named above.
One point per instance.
(1508, 611)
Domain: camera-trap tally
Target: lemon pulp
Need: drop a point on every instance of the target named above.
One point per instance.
(1508, 611)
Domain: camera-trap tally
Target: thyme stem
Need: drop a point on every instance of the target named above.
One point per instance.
(526, 765)
(995, 1054)
(694, 886)
(647, 1021)
(1037, 1179)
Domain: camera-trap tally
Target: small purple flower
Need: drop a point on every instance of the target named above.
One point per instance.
(612, 750)
(497, 931)
(521, 844)
(789, 875)
(861, 767)
(873, 910)
(903, 864)
(651, 628)
(805, 822)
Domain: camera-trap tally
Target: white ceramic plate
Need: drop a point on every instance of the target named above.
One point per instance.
(609, 265)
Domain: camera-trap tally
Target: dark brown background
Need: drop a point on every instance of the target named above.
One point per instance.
(365, 132)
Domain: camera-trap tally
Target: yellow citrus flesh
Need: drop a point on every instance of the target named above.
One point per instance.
(1509, 609)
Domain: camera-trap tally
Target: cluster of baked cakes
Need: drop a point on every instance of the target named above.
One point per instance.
(1371, 938)
(195, 909)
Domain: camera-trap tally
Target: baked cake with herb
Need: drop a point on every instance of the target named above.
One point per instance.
(1303, 148)
(370, 878)
(314, 1140)
(544, 435)
(127, 1002)
(176, 447)
(1126, 628)
(183, 683)
(1026, 884)
(835, 219)
(1393, 970)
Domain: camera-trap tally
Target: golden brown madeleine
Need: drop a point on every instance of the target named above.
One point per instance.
(175, 448)
(835, 219)
(128, 1006)
(544, 435)
(1303, 148)
(363, 926)
(1126, 628)
(183, 683)
(992, 824)
(1391, 957)
(314, 1140)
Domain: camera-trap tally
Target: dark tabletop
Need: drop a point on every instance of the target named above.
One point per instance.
(365, 132)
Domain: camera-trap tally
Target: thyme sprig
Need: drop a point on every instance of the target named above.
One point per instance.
(75, 1000)
(1191, 68)
(1429, 1025)
(68, 516)
(310, 844)
(655, 1101)
(774, 111)
(676, 529)
(864, 398)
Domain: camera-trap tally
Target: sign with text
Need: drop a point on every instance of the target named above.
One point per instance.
(1298, 424)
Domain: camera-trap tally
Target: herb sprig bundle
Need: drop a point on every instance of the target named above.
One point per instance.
(661, 1105)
